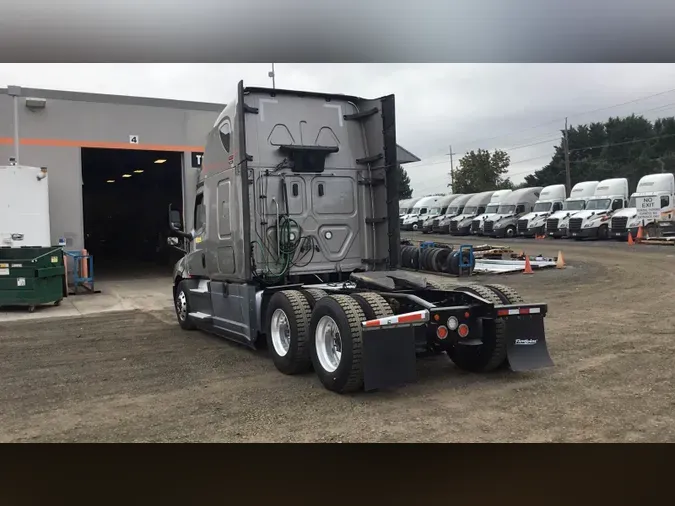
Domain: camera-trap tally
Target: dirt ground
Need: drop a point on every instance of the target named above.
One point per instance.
(135, 376)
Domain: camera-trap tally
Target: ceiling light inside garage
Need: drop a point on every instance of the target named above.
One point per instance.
(161, 160)
(126, 175)
(110, 181)
(138, 171)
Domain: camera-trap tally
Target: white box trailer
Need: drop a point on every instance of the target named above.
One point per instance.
(24, 207)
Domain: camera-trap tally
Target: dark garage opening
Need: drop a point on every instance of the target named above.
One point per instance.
(126, 195)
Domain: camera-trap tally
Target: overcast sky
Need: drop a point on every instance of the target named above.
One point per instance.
(468, 106)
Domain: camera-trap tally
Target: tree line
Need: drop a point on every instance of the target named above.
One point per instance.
(629, 147)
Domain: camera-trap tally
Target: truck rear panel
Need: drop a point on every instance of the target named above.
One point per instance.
(328, 163)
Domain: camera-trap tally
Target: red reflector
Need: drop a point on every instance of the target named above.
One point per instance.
(372, 323)
(466, 314)
(442, 332)
(524, 310)
(502, 312)
(410, 318)
(463, 330)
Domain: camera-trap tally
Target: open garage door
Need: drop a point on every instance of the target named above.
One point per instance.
(126, 196)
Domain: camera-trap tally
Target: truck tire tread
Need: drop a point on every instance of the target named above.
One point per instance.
(346, 378)
(313, 295)
(509, 294)
(474, 358)
(297, 360)
(373, 305)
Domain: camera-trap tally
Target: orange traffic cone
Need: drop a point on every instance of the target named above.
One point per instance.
(528, 267)
(639, 234)
(631, 242)
(560, 263)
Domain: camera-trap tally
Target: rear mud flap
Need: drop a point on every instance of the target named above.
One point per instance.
(389, 358)
(526, 343)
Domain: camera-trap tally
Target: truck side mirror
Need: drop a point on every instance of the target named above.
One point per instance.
(175, 219)
(175, 224)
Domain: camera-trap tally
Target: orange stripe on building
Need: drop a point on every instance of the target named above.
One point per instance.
(63, 143)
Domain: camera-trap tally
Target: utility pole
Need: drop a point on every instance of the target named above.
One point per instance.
(568, 177)
(452, 172)
(273, 76)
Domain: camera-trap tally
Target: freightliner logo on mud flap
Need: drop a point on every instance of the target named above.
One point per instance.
(528, 342)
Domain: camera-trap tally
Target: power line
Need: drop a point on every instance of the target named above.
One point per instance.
(634, 141)
(570, 116)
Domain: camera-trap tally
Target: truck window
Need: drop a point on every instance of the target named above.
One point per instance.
(557, 206)
(617, 204)
(200, 212)
(665, 201)
(226, 135)
(520, 209)
(423, 210)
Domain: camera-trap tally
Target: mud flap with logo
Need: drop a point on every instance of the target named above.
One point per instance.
(526, 343)
(389, 358)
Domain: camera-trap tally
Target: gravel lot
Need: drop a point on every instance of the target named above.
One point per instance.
(135, 376)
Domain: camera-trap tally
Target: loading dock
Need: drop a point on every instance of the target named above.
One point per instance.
(70, 132)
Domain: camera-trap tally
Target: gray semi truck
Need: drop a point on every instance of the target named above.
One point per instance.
(294, 244)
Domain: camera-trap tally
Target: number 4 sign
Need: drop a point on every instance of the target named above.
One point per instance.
(133, 139)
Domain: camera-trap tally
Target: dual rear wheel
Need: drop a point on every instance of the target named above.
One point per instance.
(310, 329)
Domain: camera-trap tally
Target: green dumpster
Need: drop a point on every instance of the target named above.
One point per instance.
(31, 276)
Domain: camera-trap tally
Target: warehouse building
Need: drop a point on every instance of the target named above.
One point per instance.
(115, 163)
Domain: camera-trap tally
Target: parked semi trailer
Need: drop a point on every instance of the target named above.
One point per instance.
(297, 246)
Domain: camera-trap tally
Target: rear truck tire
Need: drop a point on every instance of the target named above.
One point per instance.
(288, 316)
(57, 302)
(181, 303)
(603, 233)
(31, 309)
(373, 305)
(510, 232)
(506, 293)
(336, 343)
(313, 295)
(434, 285)
(489, 355)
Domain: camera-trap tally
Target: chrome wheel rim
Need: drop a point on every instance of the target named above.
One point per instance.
(181, 306)
(328, 342)
(281, 332)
